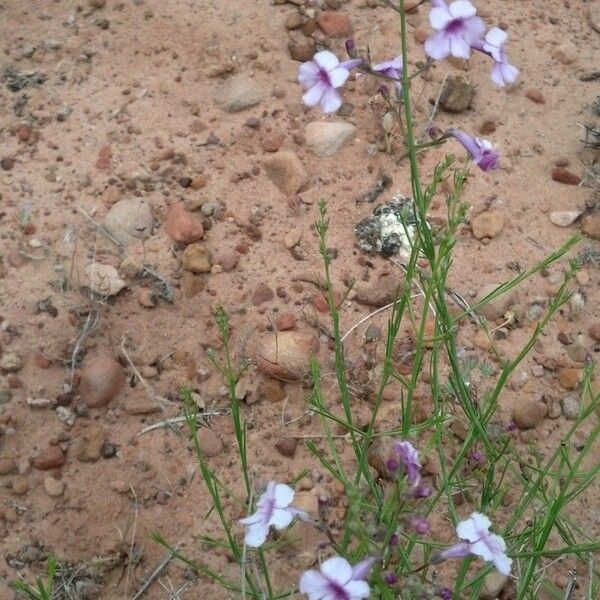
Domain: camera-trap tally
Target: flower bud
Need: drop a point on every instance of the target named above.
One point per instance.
(351, 48)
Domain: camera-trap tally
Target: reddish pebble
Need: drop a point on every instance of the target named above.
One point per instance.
(263, 293)
(286, 321)
(535, 96)
(40, 361)
(182, 226)
(51, 457)
(104, 156)
(14, 382)
(7, 163)
(24, 133)
(320, 303)
(565, 176)
(594, 331)
(335, 24)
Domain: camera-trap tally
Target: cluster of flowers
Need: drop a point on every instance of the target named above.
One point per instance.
(337, 579)
(458, 31)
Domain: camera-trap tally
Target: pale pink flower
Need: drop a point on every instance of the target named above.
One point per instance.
(272, 509)
(337, 580)
(457, 29)
(503, 73)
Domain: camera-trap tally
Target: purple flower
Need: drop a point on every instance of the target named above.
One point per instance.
(337, 580)
(390, 578)
(273, 508)
(445, 594)
(322, 76)
(420, 525)
(502, 72)
(422, 491)
(457, 28)
(481, 151)
(409, 457)
(392, 69)
(478, 540)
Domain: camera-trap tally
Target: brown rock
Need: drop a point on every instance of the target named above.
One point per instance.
(210, 443)
(54, 487)
(457, 95)
(263, 293)
(271, 141)
(51, 457)
(88, 446)
(7, 163)
(378, 455)
(272, 390)
(141, 406)
(488, 126)
(335, 24)
(569, 377)
(294, 21)
(565, 176)
(594, 331)
(286, 321)
(535, 96)
(286, 355)
(590, 225)
(301, 47)
(182, 226)
(196, 258)
(20, 485)
(287, 447)
(286, 171)
(101, 379)
(529, 412)
(40, 361)
(227, 259)
(487, 224)
(565, 53)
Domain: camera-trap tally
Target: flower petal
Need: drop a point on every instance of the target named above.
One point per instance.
(439, 17)
(338, 76)
(256, 535)
(314, 95)
(437, 46)
(459, 47)
(337, 569)
(351, 64)
(496, 37)
(497, 74)
(314, 584)
(480, 521)
(357, 590)
(257, 517)
(361, 569)
(281, 518)
(503, 563)
(509, 73)
(480, 548)
(283, 495)
(467, 530)
(308, 74)
(462, 9)
(473, 30)
(326, 59)
(331, 100)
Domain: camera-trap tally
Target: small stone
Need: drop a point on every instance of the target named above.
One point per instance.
(210, 443)
(565, 53)
(564, 218)
(196, 259)
(287, 447)
(8, 466)
(529, 412)
(141, 406)
(488, 126)
(11, 362)
(594, 331)
(182, 226)
(286, 355)
(271, 141)
(51, 457)
(87, 447)
(263, 293)
(372, 333)
(286, 321)
(301, 47)
(335, 24)
(292, 238)
(457, 95)
(326, 138)
(227, 259)
(590, 225)
(108, 450)
(378, 455)
(570, 407)
(103, 280)
(20, 485)
(208, 209)
(498, 307)
(65, 415)
(286, 171)
(5, 395)
(272, 390)
(577, 352)
(7, 163)
(238, 93)
(97, 3)
(493, 584)
(130, 220)
(569, 377)
(40, 361)
(101, 381)
(54, 487)
(535, 96)
(488, 224)
(147, 297)
(565, 176)
(294, 21)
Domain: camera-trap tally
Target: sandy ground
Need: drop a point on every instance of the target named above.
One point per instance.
(123, 102)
